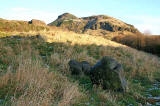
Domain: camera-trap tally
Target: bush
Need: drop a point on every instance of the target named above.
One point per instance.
(147, 43)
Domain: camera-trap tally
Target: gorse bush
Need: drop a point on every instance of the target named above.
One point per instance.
(142, 42)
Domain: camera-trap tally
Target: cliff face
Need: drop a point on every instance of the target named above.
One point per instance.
(92, 23)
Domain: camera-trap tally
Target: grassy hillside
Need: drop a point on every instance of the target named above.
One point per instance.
(34, 70)
(19, 26)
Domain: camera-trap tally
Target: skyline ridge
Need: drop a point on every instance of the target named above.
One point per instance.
(143, 14)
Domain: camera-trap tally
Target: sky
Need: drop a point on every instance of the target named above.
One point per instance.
(143, 14)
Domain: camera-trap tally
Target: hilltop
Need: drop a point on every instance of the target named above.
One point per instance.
(100, 23)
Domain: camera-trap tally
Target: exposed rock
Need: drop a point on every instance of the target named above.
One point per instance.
(75, 67)
(37, 22)
(78, 68)
(108, 73)
(82, 25)
(86, 67)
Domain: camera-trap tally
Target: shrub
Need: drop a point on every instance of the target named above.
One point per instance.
(142, 42)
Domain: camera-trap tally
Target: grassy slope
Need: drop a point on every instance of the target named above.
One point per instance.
(19, 26)
(36, 70)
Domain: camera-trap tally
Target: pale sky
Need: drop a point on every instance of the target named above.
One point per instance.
(143, 14)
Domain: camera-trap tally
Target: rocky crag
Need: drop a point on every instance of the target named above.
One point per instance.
(101, 23)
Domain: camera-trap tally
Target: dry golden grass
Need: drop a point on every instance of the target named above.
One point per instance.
(31, 84)
(14, 25)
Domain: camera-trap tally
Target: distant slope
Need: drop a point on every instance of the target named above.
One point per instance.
(92, 23)
(21, 26)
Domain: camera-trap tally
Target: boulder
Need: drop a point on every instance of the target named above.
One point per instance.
(78, 68)
(75, 67)
(85, 67)
(108, 73)
(37, 22)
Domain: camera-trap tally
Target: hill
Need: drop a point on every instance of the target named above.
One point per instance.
(98, 23)
(21, 26)
(34, 70)
(110, 28)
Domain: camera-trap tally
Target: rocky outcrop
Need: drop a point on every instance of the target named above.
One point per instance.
(107, 72)
(37, 22)
(100, 22)
(70, 22)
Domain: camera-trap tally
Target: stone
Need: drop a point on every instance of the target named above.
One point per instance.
(85, 67)
(75, 67)
(109, 74)
(79, 68)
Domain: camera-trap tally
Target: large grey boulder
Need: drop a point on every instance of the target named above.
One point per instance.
(108, 73)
